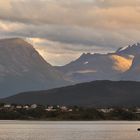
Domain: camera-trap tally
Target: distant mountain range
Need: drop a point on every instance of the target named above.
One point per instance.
(97, 94)
(130, 50)
(90, 67)
(23, 69)
(120, 65)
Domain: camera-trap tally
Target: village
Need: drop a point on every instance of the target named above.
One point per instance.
(62, 112)
(35, 106)
(53, 108)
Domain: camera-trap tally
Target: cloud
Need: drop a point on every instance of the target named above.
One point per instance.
(55, 52)
(117, 3)
(70, 27)
(61, 53)
(73, 35)
(98, 13)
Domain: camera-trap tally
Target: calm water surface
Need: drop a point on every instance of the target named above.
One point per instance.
(24, 130)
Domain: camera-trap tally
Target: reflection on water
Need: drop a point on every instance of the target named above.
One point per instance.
(33, 130)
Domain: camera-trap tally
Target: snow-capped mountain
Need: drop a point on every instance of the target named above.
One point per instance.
(23, 69)
(133, 74)
(89, 67)
(130, 50)
(124, 64)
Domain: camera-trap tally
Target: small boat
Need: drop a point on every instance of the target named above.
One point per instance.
(138, 129)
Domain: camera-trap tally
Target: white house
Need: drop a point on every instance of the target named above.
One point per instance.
(7, 106)
(50, 110)
(33, 106)
(64, 108)
(18, 106)
(106, 110)
(26, 107)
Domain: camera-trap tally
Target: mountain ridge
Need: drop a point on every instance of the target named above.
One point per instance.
(89, 67)
(93, 94)
(110, 66)
(23, 69)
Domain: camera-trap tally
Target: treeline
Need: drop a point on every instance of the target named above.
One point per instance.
(77, 113)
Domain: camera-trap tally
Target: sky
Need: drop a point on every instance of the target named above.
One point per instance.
(61, 30)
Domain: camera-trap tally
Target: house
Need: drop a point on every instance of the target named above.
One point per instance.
(138, 111)
(50, 109)
(70, 110)
(58, 106)
(26, 107)
(18, 107)
(7, 106)
(34, 106)
(64, 108)
(105, 110)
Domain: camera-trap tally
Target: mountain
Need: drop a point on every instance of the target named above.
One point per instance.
(133, 73)
(23, 69)
(90, 67)
(97, 94)
(130, 50)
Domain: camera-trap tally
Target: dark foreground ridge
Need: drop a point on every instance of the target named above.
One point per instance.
(95, 94)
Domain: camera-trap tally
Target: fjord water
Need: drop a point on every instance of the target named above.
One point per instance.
(41, 130)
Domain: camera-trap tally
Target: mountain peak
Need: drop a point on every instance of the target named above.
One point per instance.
(129, 50)
(23, 69)
(86, 54)
(13, 42)
(11, 39)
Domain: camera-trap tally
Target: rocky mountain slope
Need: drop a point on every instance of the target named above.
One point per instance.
(112, 66)
(133, 74)
(23, 69)
(130, 50)
(91, 67)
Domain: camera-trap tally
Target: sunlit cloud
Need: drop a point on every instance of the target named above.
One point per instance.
(63, 29)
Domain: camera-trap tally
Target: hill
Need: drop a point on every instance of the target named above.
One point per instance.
(97, 93)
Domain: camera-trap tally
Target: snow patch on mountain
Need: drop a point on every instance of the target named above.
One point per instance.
(86, 62)
(123, 48)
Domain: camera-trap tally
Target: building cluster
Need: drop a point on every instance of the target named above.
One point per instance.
(56, 108)
(105, 110)
(50, 108)
(108, 110)
(35, 106)
(13, 106)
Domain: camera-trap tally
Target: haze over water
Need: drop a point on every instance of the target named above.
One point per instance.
(41, 130)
